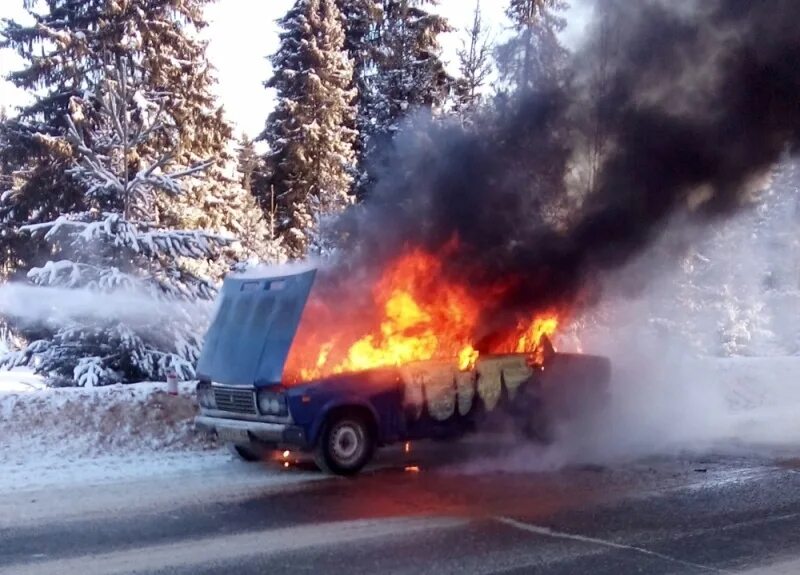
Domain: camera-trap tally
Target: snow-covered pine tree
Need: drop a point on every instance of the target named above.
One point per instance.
(408, 76)
(258, 241)
(246, 162)
(237, 212)
(178, 67)
(362, 40)
(534, 56)
(309, 133)
(114, 246)
(410, 72)
(475, 65)
(63, 52)
(6, 184)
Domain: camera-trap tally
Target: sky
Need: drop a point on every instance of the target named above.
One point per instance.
(242, 33)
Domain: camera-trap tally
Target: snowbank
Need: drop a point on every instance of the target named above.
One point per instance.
(91, 450)
(763, 396)
(81, 422)
(19, 380)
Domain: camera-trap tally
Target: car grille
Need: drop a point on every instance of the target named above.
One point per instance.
(235, 400)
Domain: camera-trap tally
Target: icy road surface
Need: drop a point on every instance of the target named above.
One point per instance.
(718, 514)
(693, 477)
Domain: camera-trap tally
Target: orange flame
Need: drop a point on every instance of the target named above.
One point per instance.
(531, 339)
(420, 316)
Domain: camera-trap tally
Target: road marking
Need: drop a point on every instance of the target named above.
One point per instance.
(547, 532)
(229, 547)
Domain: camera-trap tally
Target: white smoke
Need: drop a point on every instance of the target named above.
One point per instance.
(32, 305)
(704, 350)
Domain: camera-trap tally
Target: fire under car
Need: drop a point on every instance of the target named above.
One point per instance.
(342, 419)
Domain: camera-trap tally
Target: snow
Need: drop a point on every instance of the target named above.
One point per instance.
(86, 422)
(763, 395)
(84, 451)
(19, 380)
(49, 488)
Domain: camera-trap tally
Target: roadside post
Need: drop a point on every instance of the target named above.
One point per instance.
(172, 381)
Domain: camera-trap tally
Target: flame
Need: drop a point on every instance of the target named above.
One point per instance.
(531, 339)
(421, 316)
(413, 313)
(467, 358)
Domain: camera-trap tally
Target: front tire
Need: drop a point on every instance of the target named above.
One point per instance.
(245, 453)
(536, 425)
(345, 446)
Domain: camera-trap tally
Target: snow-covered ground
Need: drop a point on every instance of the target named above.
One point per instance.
(19, 380)
(63, 436)
(73, 452)
(37, 422)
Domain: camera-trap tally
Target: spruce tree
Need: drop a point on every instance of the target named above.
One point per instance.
(6, 189)
(246, 162)
(64, 53)
(309, 133)
(410, 75)
(114, 246)
(362, 41)
(407, 76)
(534, 57)
(475, 65)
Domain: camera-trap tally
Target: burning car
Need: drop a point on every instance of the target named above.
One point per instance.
(342, 412)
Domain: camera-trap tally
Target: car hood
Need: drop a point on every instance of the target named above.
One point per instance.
(253, 328)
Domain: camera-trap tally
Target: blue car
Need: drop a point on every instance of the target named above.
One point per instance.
(343, 419)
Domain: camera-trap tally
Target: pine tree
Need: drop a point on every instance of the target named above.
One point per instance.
(410, 75)
(309, 132)
(406, 76)
(247, 162)
(362, 41)
(534, 57)
(6, 187)
(475, 65)
(114, 246)
(64, 52)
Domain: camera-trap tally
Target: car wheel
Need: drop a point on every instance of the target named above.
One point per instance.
(538, 428)
(245, 453)
(345, 446)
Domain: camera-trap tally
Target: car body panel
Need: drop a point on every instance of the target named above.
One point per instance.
(253, 328)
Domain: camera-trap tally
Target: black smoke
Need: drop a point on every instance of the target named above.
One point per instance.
(698, 100)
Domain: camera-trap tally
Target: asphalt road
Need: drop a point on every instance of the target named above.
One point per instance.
(695, 515)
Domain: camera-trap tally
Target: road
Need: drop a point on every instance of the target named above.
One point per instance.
(727, 514)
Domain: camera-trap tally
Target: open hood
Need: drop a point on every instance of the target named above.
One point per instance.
(252, 331)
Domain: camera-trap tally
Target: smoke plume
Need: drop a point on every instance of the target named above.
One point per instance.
(38, 306)
(698, 100)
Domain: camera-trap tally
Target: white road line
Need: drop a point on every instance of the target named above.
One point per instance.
(547, 532)
(214, 549)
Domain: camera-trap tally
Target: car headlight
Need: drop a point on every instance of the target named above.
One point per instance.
(205, 396)
(272, 403)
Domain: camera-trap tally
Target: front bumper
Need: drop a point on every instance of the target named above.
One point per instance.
(237, 430)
